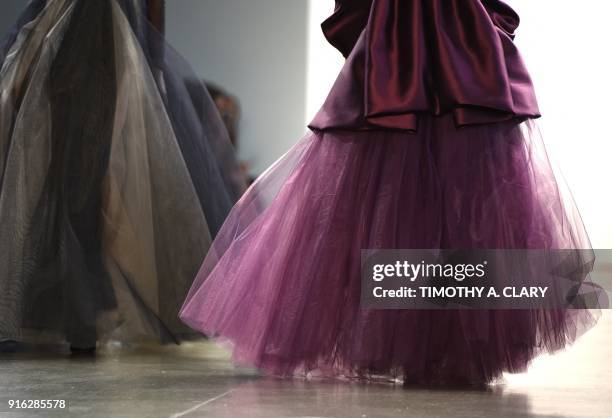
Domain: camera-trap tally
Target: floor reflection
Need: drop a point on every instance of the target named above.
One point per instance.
(197, 379)
(265, 398)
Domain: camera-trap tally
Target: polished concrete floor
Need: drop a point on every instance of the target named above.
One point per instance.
(198, 380)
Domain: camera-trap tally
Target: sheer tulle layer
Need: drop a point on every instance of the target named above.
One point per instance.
(282, 281)
(104, 213)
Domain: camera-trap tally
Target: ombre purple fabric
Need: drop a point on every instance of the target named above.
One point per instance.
(409, 58)
(422, 143)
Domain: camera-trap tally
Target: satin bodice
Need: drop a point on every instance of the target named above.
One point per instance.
(410, 57)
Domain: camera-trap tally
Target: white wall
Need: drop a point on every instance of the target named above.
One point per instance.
(256, 49)
(566, 45)
(324, 61)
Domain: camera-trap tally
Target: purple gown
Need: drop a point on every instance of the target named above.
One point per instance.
(425, 141)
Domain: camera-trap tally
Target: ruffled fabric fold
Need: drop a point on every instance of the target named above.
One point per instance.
(409, 58)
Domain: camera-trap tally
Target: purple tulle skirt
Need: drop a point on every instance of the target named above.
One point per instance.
(282, 281)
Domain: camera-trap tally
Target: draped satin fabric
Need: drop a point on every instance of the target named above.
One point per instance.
(410, 57)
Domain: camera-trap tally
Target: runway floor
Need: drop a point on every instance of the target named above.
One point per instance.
(198, 380)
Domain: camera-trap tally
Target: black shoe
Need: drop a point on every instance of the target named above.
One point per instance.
(9, 346)
(83, 351)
